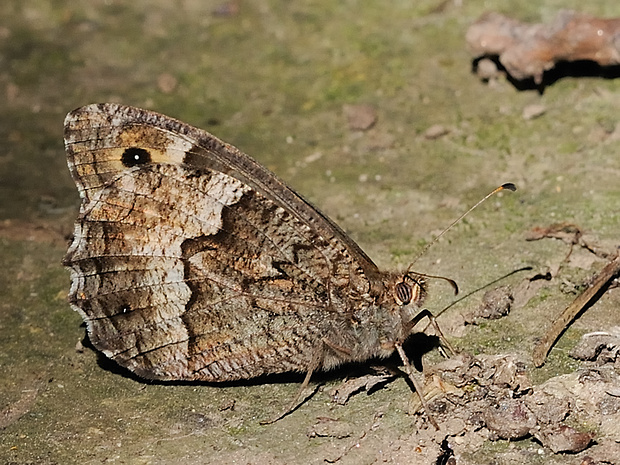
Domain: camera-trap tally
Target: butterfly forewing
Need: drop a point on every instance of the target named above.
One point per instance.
(192, 261)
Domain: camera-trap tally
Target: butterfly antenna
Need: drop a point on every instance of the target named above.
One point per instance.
(508, 186)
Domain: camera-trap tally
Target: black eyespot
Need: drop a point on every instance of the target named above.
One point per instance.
(135, 156)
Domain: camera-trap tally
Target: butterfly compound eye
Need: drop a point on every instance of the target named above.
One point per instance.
(135, 156)
(404, 293)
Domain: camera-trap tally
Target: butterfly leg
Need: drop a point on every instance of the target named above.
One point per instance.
(433, 322)
(315, 363)
(336, 348)
(425, 313)
(416, 385)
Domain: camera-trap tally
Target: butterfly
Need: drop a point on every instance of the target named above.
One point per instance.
(191, 261)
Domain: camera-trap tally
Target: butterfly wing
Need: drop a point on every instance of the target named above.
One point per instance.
(192, 261)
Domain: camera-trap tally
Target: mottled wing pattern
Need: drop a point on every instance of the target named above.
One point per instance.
(192, 261)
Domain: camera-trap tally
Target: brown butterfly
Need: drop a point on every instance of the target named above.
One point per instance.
(191, 261)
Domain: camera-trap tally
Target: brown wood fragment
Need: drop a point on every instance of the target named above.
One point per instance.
(527, 51)
(561, 323)
(346, 390)
(567, 232)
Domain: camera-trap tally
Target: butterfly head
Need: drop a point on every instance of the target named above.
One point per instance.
(408, 293)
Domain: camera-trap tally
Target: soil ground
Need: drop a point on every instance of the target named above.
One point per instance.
(277, 79)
